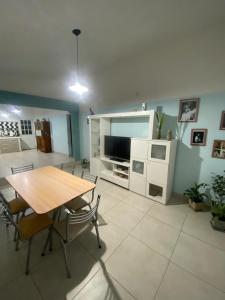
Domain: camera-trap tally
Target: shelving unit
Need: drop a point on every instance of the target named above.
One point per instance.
(100, 125)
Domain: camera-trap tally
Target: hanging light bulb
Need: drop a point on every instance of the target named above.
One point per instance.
(78, 87)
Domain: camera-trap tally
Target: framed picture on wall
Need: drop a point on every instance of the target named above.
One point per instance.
(222, 121)
(198, 137)
(218, 150)
(188, 111)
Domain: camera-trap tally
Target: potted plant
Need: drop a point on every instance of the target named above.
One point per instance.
(197, 195)
(160, 119)
(218, 203)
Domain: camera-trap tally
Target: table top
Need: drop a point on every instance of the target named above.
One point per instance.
(48, 188)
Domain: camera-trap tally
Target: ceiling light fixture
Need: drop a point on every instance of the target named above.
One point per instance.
(15, 110)
(77, 87)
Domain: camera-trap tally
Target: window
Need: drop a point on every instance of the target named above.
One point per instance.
(26, 127)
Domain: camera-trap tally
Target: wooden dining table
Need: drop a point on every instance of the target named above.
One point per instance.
(48, 188)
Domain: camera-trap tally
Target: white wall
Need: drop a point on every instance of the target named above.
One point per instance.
(59, 132)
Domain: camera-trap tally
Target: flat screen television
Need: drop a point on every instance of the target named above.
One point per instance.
(117, 147)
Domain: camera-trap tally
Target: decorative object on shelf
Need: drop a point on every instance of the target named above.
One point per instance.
(218, 150)
(222, 121)
(218, 203)
(169, 135)
(78, 87)
(160, 120)
(91, 111)
(144, 106)
(188, 111)
(198, 137)
(85, 163)
(197, 197)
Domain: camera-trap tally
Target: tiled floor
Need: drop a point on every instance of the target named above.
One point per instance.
(149, 251)
(39, 159)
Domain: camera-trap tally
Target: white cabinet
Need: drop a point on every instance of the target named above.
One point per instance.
(139, 153)
(139, 148)
(160, 170)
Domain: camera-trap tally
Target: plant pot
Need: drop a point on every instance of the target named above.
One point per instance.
(158, 133)
(218, 224)
(197, 206)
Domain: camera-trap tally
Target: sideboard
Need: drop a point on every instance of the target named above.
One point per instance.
(10, 144)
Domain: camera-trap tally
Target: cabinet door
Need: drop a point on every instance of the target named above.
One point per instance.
(138, 167)
(139, 149)
(159, 151)
(137, 184)
(157, 172)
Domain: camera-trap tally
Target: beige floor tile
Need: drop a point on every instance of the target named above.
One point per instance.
(50, 276)
(39, 159)
(138, 268)
(179, 284)
(157, 235)
(111, 236)
(119, 192)
(103, 287)
(125, 216)
(10, 263)
(139, 202)
(173, 215)
(107, 202)
(201, 259)
(21, 289)
(198, 225)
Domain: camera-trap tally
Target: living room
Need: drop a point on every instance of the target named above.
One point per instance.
(150, 127)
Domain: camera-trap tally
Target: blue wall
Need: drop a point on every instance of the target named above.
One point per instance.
(193, 163)
(48, 103)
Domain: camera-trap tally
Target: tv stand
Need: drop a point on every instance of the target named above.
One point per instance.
(117, 159)
(115, 171)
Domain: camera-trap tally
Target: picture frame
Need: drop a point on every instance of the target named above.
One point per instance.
(222, 121)
(218, 150)
(188, 110)
(199, 136)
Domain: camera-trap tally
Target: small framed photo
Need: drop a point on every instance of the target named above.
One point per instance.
(222, 121)
(188, 111)
(218, 150)
(198, 137)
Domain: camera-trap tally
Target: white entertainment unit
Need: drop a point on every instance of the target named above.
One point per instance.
(151, 166)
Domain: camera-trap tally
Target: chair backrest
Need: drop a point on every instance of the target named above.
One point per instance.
(5, 214)
(21, 169)
(68, 167)
(3, 201)
(82, 216)
(89, 177)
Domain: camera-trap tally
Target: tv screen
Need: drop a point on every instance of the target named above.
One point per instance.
(117, 147)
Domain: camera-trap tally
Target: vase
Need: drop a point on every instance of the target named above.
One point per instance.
(158, 133)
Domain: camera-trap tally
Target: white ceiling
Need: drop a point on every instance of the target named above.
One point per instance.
(37, 52)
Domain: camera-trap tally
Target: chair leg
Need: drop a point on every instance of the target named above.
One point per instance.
(59, 214)
(97, 233)
(17, 220)
(65, 258)
(17, 241)
(47, 241)
(28, 256)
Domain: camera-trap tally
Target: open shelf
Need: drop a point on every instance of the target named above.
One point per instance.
(126, 164)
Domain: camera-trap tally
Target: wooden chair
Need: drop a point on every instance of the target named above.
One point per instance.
(26, 228)
(83, 201)
(68, 167)
(72, 226)
(16, 207)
